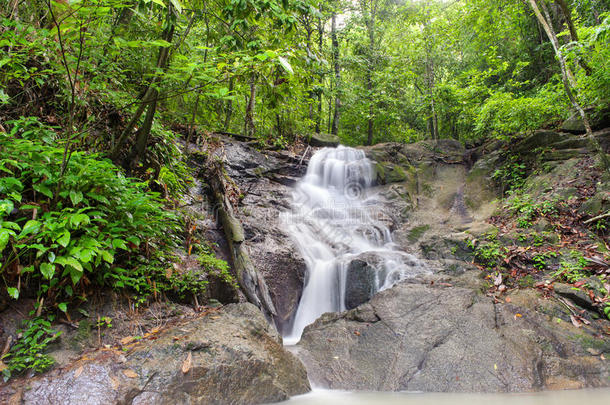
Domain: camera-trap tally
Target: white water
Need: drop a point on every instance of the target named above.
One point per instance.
(334, 219)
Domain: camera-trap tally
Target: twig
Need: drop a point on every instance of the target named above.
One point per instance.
(304, 154)
(607, 214)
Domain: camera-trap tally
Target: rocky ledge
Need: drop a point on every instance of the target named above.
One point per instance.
(230, 356)
(449, 337)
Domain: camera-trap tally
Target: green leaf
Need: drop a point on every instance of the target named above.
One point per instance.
(119, 244)
(4, 238)
(32, 226)
(6, 206)
(177, 5)
(71, 261)
(76, 197)
(64, 239)
(13, 292)
(47, 270)
(42, 189)
(63, 307)
(78, 219)
(107, 256)
(285, 64)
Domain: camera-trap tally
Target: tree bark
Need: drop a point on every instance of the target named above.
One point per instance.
(249, 127)
(150, 95)
(335, 44)
(250, 280)
(569, 85)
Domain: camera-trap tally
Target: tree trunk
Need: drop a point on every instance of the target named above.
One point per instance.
(569, 86)
(150, 95)
(249, 127)
(565, 10)
(249, 279)
(335, 44)
(229, 112)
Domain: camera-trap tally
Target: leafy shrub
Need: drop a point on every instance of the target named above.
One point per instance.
(504, 114)
(28, 352)
(65, 232)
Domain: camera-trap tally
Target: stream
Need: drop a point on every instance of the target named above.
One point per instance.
(319, 396)
(334, 220)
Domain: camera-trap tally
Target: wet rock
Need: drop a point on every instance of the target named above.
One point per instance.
(422, 337)
(360, 283)
(265, 179)
(229, 357)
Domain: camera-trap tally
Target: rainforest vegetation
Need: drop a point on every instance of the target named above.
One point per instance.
(103, 101)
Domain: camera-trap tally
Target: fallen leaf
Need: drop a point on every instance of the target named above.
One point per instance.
(130, 373)
(78, 372)
(356, 333)
(2, 366)
(575, 321)
(114, 382)
(594, 352)
(186, 365)
(127, 340)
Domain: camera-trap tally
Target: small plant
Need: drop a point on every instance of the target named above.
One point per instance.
(540, 259)
(527, 210)
(572, 270)
(487, 254)
(511, 175)
(28, 352)
(104, 322)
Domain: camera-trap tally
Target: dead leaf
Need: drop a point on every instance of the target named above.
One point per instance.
(186, 365)
(127, 340)
(114, 382)
(129, 373)
(78, 372)
(594, 352)
(356, 333)
(575, 321)
(2, 366)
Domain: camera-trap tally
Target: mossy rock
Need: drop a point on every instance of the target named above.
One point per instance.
(324, 140)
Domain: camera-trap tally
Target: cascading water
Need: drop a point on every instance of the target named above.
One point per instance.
(334, 221)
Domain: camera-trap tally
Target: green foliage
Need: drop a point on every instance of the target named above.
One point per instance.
(572, 267)
(541, 259)
(74, 229)
(488, 254)
(28, 352)
(503, 114)
(218, 267)
(511, 174)
(526, 208)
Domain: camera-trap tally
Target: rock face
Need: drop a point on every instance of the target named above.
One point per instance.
(265, 180)
(228, 357)
(422, 337)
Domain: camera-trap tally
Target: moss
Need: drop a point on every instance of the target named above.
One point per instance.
(83, 335)
(417, 232)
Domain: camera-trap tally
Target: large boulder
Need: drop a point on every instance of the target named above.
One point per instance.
(324, 140)
(228, 357)
(442, 338)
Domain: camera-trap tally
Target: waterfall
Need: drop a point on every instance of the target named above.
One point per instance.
(337, 224)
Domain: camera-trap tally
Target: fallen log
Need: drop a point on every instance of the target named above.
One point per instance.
(250, 280)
